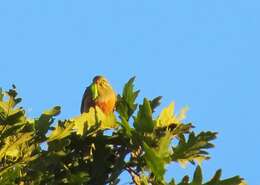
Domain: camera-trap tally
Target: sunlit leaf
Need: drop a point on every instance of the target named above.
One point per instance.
(12, 144)
(95, 117)
(85, 121)
(167, 116)
(106, 121)
(62, 130)
(42, 125)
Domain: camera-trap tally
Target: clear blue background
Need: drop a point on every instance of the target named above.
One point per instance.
(204, 54)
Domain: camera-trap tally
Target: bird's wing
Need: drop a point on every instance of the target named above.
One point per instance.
(87, 101)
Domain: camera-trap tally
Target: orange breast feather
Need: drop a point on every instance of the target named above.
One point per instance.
(107, 106)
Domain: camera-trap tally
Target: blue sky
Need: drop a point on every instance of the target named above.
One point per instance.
(204, 54)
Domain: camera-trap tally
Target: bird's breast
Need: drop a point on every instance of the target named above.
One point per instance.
(106, 102)
(107, 106)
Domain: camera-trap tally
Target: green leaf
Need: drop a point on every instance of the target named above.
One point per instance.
(144, 180)
(15, 116)
(163, 147)
(155, 102)
(126, 103)
(215, 179)
(85, 121)
(192, 149)
(1, 94)
(80, 177)
(197, 177)
(62, 130)
(127, 129)
(144, 121)
(11, 102)
(12, 144)
(106, 121)
(10, 175)
(243, 183)
(95, 117)
(154, 162)
(232, 181)
(42, 125)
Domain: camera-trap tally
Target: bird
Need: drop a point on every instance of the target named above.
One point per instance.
(99, 93)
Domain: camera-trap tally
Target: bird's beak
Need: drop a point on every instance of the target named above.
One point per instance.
(94, 91)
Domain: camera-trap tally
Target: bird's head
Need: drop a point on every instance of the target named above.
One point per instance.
(99, 84)
(100, 80)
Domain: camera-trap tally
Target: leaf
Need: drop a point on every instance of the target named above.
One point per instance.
(172, 182)
(192, 149)
(215, 179)
(95, 117)
(144, 180)
(11, 101)
(243, 183)
(167, 116)
(197, 177)
(1, 94)
(13, 123)
(155, 102)
(154, 162)
(12, 93)
(127, 129)
(10, 175)
(144, 121)
(85, 121)
(80, 177)
(42, 125)
(15, 116)
(182, 115)
(12, 144)
(126, 103)
(232, 181)
(129, 94)
(62, 130)
(106, 121)
(163, 147)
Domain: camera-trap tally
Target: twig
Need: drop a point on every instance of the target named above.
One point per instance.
(135, 176)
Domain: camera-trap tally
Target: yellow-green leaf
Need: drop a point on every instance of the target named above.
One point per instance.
(61, 131)
(106, 121)
(168, 117)
(12, 144)
(84, 121)
(163, 149)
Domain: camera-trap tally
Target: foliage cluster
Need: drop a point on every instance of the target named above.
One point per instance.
(95, 149)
